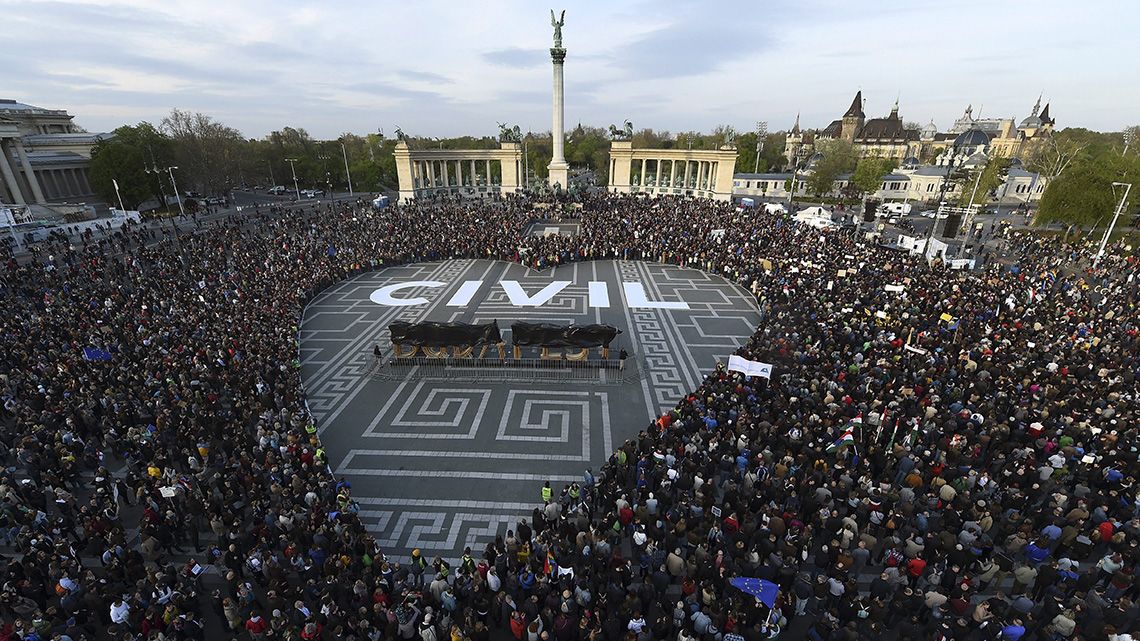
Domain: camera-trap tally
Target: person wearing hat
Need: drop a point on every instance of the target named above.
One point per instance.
(417, 567)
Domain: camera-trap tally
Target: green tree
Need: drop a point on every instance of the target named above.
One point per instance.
(838, 157)
(869, 172)
(589, 148)
(771, 156)
(1083, 195)
(125, 158)
(987, 178)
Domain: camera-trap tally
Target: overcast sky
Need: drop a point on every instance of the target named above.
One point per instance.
(440, 68)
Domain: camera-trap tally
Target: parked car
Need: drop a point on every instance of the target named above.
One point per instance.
(279, 190)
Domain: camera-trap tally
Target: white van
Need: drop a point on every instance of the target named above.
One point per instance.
(896, 209)
(775, 208)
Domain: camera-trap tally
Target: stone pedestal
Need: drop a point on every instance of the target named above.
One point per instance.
(558, 168)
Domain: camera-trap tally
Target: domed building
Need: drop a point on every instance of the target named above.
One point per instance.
(1020, 140)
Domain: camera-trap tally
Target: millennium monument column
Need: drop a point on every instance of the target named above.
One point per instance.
(559, 170)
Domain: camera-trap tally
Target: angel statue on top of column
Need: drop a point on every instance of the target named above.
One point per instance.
(557, 24)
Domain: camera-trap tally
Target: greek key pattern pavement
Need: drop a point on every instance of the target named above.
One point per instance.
(438, 464)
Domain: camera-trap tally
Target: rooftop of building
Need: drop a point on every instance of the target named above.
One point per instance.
(8, 104)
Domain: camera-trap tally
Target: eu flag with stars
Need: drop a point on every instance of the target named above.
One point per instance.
(766, 591)
(96, 354)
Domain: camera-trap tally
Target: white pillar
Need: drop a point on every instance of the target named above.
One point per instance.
(559, 170)
(688, 173)
(37, 193)
(459, 172)
(9, 175)
(488, 172)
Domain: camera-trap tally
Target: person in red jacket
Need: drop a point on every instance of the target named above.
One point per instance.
(256, 626)
(914, 569)
(1106, 530)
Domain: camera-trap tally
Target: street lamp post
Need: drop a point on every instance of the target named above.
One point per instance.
(942, 192)
(178, 196)
(347, 173)
(761, 131)
(296, 185)
(158, 176)
(1112, 225)
(799, 158)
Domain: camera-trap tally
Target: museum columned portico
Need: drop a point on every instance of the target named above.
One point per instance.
(43, 156)
(476, 173)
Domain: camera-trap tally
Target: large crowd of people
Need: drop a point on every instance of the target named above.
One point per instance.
(163, 480)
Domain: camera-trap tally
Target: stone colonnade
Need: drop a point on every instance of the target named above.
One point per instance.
(463, 172)
(703, 173)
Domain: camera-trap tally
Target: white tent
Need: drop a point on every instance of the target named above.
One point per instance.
(814, 212)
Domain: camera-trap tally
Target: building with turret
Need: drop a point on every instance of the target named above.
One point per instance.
(887, 137)
(1023, 140)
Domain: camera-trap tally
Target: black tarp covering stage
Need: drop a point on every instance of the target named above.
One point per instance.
(433, 334)
(547, 335)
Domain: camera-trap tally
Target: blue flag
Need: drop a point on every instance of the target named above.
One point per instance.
(96, 354)
(766, 591)
(331, 251)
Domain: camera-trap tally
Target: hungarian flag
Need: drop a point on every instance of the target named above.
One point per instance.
(845, 439)
(848, 435)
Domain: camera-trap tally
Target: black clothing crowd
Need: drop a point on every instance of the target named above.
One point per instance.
(163, 478)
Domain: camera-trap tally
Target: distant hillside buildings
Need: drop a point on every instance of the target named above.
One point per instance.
(889, 137)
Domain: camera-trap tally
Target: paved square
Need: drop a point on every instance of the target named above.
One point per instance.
(440, 464)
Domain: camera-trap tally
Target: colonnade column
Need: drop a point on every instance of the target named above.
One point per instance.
(672, 174)
(643, 172)
(488, 172)
(688, 173)
(459, 172)
(9, 175)
(37, 193)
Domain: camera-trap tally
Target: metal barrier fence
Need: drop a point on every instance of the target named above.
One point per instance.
(509, 370)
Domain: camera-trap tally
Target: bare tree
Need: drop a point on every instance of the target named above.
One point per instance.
(208, 152)
(1054, 154)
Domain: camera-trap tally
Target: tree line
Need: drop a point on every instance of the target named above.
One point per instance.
(212, 158)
